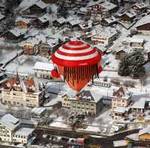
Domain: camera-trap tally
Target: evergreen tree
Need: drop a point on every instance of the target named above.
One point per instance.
(132, 65)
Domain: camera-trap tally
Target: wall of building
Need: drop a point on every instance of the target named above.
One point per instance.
(20, 139)
(119, 102)
(5, 134)
(42, 73)
(20, 98)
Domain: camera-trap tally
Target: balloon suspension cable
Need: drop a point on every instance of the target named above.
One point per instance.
(80, 73)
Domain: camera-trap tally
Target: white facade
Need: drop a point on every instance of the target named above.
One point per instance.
(43, 70)
(87, 103)
(18, 92)
(12, 132)
(104, 36)
(20, 98)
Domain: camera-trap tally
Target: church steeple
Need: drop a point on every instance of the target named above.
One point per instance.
(17, 78)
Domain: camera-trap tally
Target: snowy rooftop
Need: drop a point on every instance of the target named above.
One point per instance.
(134, 39)
(25, 4)
(143, 20)
(22, 19)
(43, 66)
(107, 5)
(9, 121)
(61, 20)
(110, 19)
(41, 4)
(52, 42)
(120, 110)
(38, 110)
(93, 94)
(74, 22)
(130, 14)
(44, 18)
(90, 95)
(24, 132)
(17, 32)
(140, 5)
(104, 32)
(122, 92)
(139, 104)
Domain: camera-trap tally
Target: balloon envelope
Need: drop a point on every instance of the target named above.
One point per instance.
(77, 62)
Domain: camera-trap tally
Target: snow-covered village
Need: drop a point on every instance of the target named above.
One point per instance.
(74, 73)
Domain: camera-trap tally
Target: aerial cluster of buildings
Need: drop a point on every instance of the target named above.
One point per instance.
(43, 29)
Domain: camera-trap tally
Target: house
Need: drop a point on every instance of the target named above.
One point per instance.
(43, 49)
(95, 9)
(140, 7)
(82, 11)
(104, 36)
(59, 22)
(54, 43)
(43, 70)
(139, 106)
(28, 48)
(22, 22)
(121, 98)
(86, 26)
(31, 45)
(18, 91)
(120, 113)
(144, 134)
(143, 25)
(15, 34)
(128, 16)
(88, 102)
(104, 9)
(120, 101)
(109, 7)
(73, 23)
(12, 131)
(43, 21)
(38, 112)
(134, 42)
(109, 21)
(33, 7)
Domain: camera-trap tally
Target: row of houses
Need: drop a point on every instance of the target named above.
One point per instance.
(25, 92)
(123, 105)
(139, 41)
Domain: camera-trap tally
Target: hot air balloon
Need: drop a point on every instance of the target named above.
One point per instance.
(78, 63)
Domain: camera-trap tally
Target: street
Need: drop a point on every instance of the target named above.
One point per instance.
(104, 142)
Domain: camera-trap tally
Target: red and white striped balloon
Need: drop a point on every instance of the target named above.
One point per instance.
(77, 62)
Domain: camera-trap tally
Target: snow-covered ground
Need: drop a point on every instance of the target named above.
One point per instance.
(24, 64)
